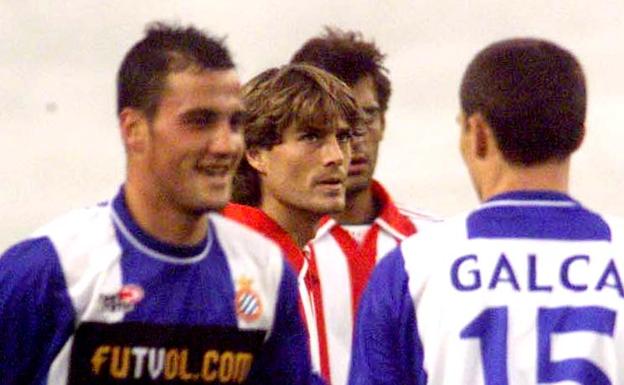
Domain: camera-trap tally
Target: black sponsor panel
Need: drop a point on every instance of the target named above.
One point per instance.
(139, 353)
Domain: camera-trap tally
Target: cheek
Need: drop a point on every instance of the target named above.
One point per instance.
(284, 170)
(238, 143)
(463, 147)
(347, 152)
(377, 130)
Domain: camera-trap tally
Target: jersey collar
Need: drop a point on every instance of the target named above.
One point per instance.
(531, 198)
(141, 240)
(389, 218)
(259, 221)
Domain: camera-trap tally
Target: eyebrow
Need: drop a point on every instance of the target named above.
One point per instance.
(371, 109)
(326, 129)
(205, 114)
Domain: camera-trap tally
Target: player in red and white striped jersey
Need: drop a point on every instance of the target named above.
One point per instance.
(298, 130)
(347, 246)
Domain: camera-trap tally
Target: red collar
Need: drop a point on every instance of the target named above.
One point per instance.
(389, 218)
(258, 220)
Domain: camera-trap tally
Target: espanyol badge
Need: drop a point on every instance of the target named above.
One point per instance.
(247, 301)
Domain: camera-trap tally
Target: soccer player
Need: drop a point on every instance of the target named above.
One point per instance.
(348, 245)
(525, 289)
(152, 287)
(298, 128)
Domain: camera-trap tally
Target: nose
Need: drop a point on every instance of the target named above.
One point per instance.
(336, 153)
(225, 140)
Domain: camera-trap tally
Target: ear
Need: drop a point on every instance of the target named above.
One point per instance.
(134, 127)
(481, 134)
(256, 157)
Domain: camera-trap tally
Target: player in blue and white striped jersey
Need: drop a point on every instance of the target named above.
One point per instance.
(525, 289)
(151, 287)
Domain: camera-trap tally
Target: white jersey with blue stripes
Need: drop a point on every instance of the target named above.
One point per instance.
(527, 289)
(174, 314)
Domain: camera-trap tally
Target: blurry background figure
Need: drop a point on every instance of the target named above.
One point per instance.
(348, 245)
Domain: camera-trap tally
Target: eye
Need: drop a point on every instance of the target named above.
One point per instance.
(200, 119)
(201, 122)
(309, 136)
(360, 131)
(344, 136)
(371, 114)
(237, 121)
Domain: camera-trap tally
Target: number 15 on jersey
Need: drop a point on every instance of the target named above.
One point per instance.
(490, 327)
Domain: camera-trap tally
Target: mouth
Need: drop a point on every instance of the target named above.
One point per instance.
(214, 170)
(332, 182)
(358, 165)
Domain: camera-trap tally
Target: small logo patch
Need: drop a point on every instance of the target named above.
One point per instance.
(124, 300)
(247, 301)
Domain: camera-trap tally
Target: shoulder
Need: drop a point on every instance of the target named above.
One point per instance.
(417, 216)
(57, 252)
(241, 241)
(82, 226)
(82, 240)
(429, 246)
(616, 227)
(76, 229)
(29, 261)
(438, 230)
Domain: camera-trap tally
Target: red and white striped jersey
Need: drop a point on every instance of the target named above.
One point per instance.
(342, 266)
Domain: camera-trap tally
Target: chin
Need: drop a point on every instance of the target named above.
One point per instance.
(328, 208)
(201, 208)
(357, 185)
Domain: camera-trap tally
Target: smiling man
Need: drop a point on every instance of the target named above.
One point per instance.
(152, 287)
(298, 128)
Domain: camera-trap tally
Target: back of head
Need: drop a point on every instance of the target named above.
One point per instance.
(532, 93)
(296, 94)
(165, 49)
(349, 57)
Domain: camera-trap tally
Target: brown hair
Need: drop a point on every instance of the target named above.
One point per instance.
(346, 55)
(165, 49)
(532, 93)
(296, 94)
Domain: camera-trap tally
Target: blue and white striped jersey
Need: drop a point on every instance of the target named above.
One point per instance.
(93, 297)
(526, 289)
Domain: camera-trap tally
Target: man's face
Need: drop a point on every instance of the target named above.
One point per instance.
(195, 141)
(365, 147)
(307, 170)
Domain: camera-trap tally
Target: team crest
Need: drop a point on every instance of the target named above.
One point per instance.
(247, 301)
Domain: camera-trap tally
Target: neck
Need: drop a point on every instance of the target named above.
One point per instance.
(161, 220)
(299, 224)
(553, 176)
(360, 209)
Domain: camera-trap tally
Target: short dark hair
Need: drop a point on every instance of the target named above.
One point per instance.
(349, 57)
(165, 49)
(532, 93)
(298, 94)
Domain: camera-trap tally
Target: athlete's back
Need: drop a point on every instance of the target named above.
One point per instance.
(526, 289)
(528, 292)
